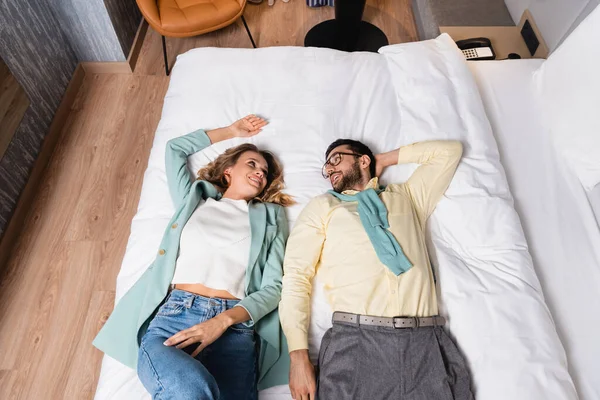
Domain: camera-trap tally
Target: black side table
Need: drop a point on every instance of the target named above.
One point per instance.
(347, 32)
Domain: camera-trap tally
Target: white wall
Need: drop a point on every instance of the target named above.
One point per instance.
(554, 18)
(592, 4)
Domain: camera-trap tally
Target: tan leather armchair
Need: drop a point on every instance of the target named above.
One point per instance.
(185, 18)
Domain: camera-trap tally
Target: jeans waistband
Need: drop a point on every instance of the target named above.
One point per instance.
(191, 298)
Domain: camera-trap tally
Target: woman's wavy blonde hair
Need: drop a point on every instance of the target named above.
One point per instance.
(214, 173)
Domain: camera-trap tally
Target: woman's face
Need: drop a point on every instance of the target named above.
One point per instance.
(248, 177)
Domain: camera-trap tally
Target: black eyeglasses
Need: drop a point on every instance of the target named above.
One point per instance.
(335, 159)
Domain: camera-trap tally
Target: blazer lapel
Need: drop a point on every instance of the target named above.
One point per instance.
(258, 221)
(206, 190)
(201, 190)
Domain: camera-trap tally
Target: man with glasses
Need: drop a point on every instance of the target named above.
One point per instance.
(368, 243)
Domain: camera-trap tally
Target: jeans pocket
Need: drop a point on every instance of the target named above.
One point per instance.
(170, 309)
(241, 328)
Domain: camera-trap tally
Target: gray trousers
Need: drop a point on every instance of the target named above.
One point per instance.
(372, 363)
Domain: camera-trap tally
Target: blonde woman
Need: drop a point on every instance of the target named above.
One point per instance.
(221, 256)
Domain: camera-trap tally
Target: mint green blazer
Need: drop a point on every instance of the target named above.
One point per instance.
(121, 334)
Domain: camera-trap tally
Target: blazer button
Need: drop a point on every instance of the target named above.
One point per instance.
(174, 226)
(161, 252)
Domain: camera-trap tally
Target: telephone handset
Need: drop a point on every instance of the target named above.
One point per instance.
(477, 49)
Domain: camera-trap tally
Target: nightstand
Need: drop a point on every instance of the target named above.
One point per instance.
(505, 39)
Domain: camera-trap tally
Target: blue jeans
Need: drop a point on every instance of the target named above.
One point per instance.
(226, 369)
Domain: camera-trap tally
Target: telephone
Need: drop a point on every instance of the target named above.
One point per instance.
(477, 49)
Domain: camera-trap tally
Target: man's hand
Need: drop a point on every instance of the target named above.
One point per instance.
(248, 126)
(204, 333)
(303, 384)
(378, 165)
(384, 160)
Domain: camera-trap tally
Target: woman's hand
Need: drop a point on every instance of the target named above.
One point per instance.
(208, 331)
(248, 126)
(203, 333)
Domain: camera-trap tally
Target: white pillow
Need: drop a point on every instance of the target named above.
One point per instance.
(568, 84)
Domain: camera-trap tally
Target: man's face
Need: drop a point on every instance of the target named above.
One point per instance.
(347, 173)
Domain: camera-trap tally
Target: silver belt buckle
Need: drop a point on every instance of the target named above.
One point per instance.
(415, 319)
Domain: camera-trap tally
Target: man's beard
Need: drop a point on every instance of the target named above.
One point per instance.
(348, 179)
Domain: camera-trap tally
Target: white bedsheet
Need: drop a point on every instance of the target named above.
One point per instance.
(418, 91)
(558, 221)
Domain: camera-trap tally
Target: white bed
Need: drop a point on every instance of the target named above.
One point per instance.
(487, 286)
(556, 212)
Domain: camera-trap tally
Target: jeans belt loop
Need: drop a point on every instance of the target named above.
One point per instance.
(189, 301)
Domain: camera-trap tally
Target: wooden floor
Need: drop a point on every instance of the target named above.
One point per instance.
(58, 287)
(284, 24)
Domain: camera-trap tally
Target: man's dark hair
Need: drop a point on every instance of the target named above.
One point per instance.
(356, 147)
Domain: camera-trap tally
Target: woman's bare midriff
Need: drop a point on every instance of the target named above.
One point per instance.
(202, 290)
